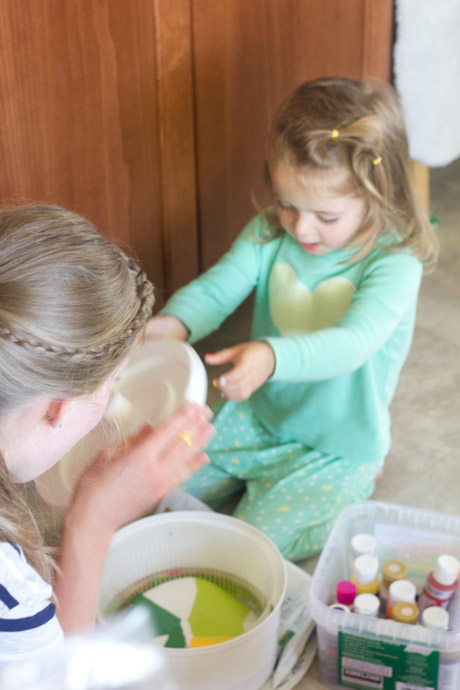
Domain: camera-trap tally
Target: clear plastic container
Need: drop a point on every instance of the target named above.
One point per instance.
(365, 652)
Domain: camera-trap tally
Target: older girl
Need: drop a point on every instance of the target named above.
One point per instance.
(72, 305)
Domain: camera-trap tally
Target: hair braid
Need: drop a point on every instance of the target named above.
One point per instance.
(74, 354)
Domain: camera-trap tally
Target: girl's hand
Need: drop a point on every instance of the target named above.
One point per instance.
(166, 326)
(122, 485)
(253, 364)
(128, 480)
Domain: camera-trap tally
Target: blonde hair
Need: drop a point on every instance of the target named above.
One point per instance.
(71, 306)
(341, 123)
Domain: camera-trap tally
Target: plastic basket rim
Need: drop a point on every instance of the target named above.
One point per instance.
(378, 627)
(202, 517)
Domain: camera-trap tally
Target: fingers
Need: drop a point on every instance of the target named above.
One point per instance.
(190, 427)
(220, 357)
(187, 467)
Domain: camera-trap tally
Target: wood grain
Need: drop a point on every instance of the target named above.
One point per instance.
(179, 227)
(248, 54)
(79, 114)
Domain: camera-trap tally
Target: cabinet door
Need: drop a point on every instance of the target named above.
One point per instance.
(248, 54)
(96, 116)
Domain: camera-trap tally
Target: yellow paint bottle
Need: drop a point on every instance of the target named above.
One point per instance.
(365, 575)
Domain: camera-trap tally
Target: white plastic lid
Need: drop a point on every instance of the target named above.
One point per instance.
(340, 607)
(366, 604)
(435, 617)
(402, 590)
(363, 545)
(446, 570)
(365, 569)
(159, 377)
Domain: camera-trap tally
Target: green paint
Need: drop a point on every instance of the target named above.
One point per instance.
(215, 612)
(163, 622)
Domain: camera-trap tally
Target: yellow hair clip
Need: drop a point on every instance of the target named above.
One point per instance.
(334, 134)
(377, 160)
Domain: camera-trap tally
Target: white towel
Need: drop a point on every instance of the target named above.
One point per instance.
(427, 77)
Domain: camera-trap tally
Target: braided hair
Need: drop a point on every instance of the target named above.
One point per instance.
(72, 304)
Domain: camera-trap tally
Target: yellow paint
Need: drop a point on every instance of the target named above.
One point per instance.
(283, 509)
(201, 641)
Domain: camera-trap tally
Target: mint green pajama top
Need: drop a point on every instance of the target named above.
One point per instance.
(340, 333)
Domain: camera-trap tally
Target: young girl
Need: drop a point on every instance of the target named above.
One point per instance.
(71, 307)
(336, 265)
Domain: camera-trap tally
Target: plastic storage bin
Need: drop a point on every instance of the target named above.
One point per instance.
(362, 652)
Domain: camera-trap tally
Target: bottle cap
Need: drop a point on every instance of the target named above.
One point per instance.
(365, 569)
(340, 607)
(435, 617)
(405, 612)
(346, 592)
(366, 604)
(446, 570)
(363, 545)
(393, 570)
(401, 590)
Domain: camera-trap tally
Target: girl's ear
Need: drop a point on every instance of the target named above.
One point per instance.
(56, 412)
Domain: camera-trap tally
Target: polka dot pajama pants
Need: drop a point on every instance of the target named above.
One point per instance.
(293, 493)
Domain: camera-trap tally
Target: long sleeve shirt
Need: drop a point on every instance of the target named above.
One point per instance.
(340, 333)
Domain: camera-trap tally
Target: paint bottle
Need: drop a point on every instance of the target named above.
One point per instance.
(454, 609)
(328, 644)
(367, 604)
(363, 545)
(400, 591)
(346, 592)
(366, 575)
(391, 571)
(438, 618)
(440, 584)
(340, 607)
(435, 617)
(405, 612)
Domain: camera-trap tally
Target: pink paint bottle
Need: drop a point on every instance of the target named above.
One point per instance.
(346, 592)
(440, 584)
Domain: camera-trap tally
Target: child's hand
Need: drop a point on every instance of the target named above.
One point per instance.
(253, 364)
(166, 326)
(123, 484)
(127, 481)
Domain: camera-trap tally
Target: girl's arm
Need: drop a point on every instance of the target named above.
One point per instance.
(122, 485)
(166, 326)
(386, 296)
(203, 305)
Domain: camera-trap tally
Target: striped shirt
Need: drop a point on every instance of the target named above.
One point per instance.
(28, 622)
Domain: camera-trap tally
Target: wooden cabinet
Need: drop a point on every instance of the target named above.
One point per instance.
(149, 116)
